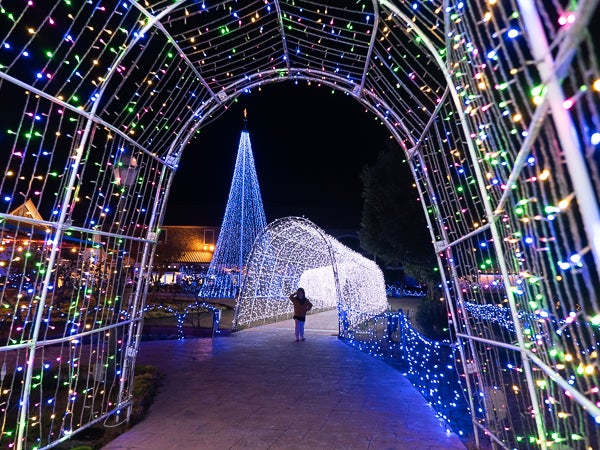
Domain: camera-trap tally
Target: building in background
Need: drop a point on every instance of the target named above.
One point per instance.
(184, 254)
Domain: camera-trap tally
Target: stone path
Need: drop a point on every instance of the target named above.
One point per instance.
(260, 389)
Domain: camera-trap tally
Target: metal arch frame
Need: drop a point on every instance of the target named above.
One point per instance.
(562, 119)
(292, 73)
(366, 98)
(362, 99)
(575, 163)
(466, 131)
(282, 32)
(370, 51)
(491, 218)
(56, 238)
(60, 228)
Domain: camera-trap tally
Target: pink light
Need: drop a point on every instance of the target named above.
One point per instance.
(568, 18)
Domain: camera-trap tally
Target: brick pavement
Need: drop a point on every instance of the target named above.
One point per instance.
(260, 389)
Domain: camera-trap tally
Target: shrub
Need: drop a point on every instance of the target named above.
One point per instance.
(432, 319)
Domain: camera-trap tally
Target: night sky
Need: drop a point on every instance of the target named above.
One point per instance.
(309, 147)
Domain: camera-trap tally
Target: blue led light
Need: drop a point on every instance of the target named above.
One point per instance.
(244, 219)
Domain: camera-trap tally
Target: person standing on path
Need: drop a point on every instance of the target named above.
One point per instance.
(301, 306)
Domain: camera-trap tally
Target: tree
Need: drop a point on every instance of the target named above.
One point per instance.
(394, 230)
(393, 227)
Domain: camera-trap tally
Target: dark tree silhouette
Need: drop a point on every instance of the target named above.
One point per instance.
(394, 230)
(393, 227)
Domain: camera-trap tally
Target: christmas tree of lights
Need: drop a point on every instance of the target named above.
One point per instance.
(244, 219)
(293, 252)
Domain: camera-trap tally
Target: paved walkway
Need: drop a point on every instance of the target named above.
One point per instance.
(260, 389)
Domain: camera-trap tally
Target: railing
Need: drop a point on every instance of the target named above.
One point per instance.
(431, 366)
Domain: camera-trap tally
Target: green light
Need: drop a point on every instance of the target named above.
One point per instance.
(536, 91)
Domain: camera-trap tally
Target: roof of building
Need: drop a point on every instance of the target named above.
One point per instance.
(195, 257)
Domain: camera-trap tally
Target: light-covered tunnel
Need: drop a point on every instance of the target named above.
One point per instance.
(293, 252)
(494, 105)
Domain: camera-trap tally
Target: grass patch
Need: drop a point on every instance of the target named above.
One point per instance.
(145, 386)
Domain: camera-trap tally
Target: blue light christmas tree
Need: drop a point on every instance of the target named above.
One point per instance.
(244, 219)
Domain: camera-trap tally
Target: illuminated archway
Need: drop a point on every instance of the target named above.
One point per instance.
(495, 106)
(293, 252)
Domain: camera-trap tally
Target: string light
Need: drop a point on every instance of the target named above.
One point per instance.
(243, 221)
(429, 365)
(293, 252)
(456, 86)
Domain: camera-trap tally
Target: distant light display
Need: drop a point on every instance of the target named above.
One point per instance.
(293, 252)
(244, 219)
(184, 314)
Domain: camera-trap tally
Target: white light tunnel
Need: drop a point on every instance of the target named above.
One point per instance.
(293, 252)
